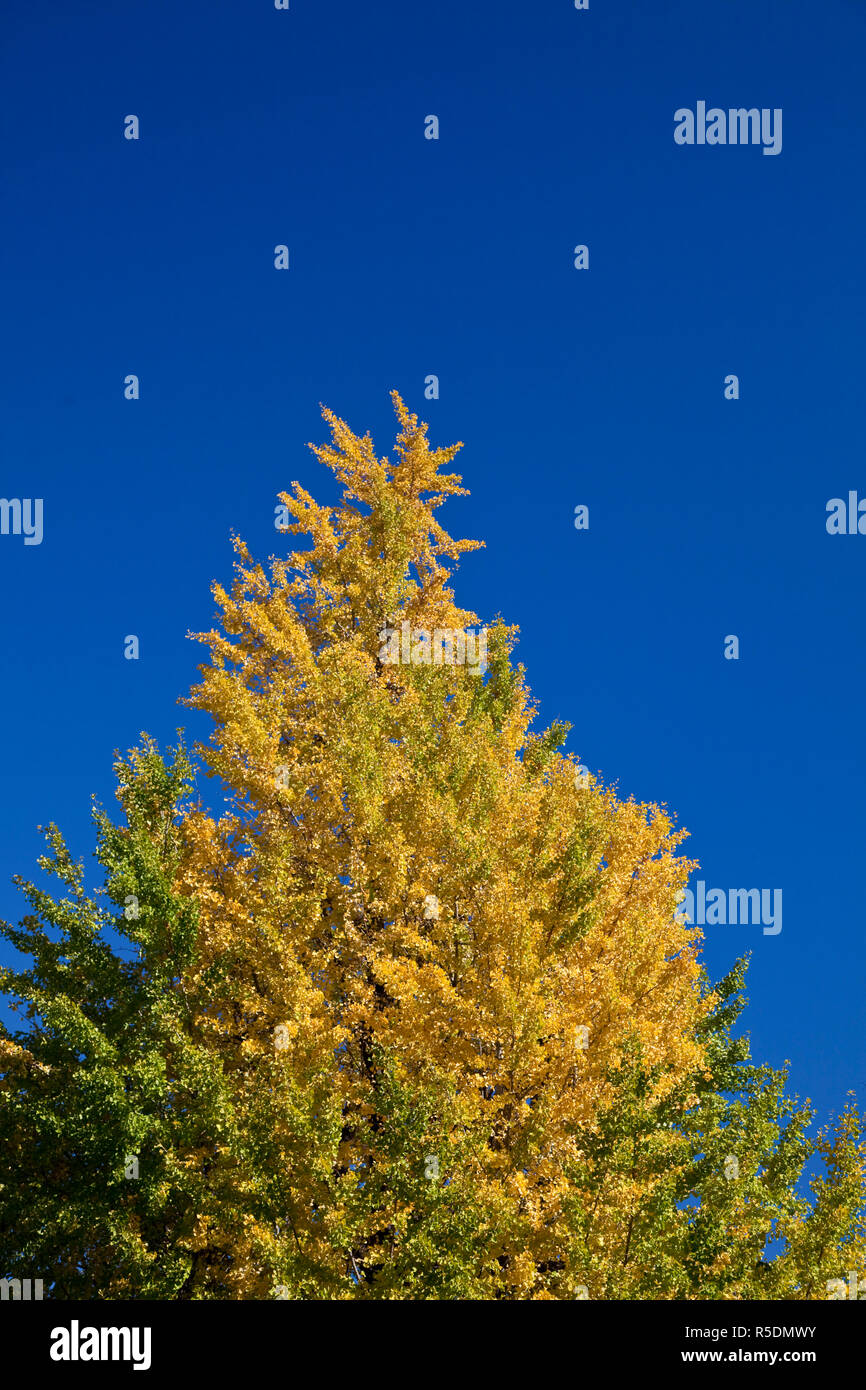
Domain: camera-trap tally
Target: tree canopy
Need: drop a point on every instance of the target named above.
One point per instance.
(416, 1014)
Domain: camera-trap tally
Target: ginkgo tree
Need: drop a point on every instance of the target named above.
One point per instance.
(417, 1015)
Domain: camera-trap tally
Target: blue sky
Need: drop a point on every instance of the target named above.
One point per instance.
(603, 387)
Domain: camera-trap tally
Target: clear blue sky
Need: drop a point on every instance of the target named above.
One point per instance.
(455, 257)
